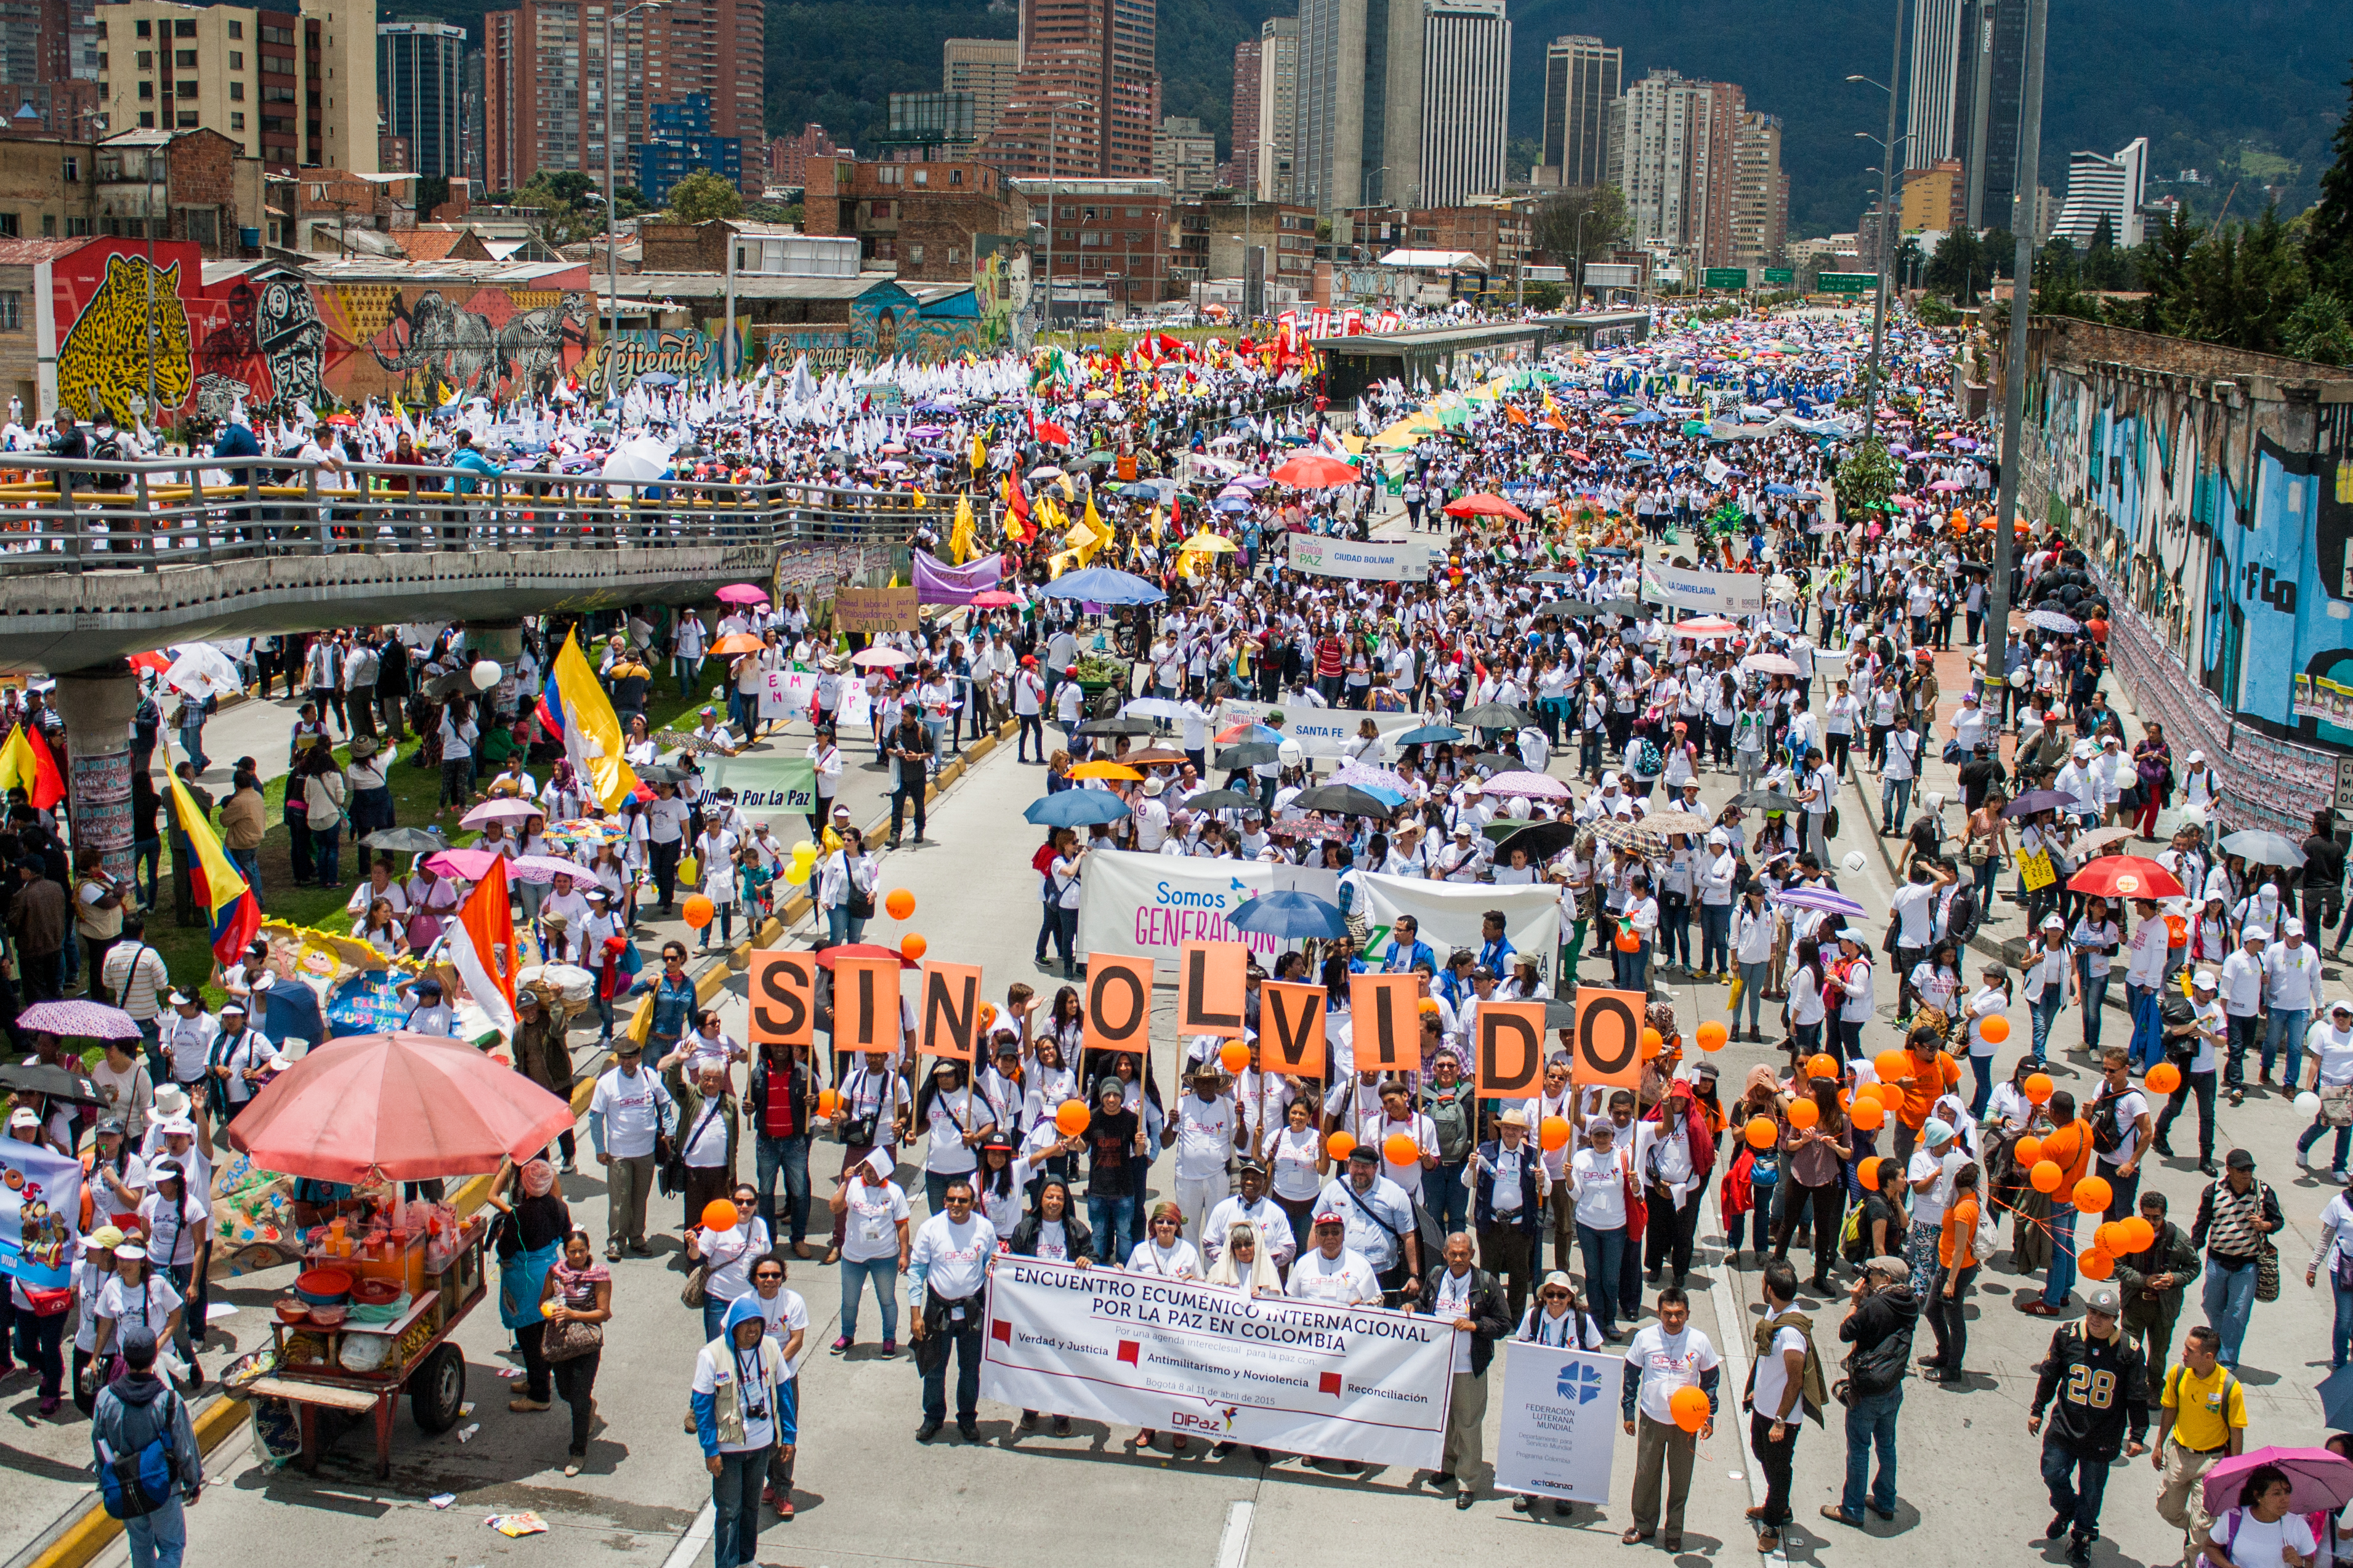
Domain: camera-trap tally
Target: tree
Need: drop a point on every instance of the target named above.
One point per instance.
(2104, 267)
(2321, 329)
(1866, 478)
(1521, 156)
(1578, 225)
(703, 196)
(1957, 270)
(628, 202)
(2328, 227)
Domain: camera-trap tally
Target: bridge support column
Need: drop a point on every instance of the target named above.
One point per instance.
(97, 705)
(500, 640)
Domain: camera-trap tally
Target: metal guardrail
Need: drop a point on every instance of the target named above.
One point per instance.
(79, 514)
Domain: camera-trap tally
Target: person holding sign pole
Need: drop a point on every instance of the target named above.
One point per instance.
(1380, 1222)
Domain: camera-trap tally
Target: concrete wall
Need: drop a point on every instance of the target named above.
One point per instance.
(2214, 490)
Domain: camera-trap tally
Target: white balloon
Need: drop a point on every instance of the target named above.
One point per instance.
(485, 675)
(1853, 861)
(2307, 1103)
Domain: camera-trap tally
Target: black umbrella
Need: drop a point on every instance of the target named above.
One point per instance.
(661, 773)
(1493, 716)
(1542, 840)
(1552, 577)
(1248, 755)
(1344, 799)
(1764, 800)
(1116, 727)
(2036, 800)
(1561, 1012)
(53, 1082)
(443, 687)
(404, 840)
(1219, 800)
(1499, 762)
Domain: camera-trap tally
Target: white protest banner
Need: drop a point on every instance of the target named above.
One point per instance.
(40, 1208)
(767, 785)
(1733, 594)
(787, 693)
(1149, 906)
(1141, 1349)
(1391, 561)
(1320, 732)
(1560, 1421)
(1449, 915)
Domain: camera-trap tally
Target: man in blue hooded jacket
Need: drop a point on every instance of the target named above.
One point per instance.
(132, 1412)
(745, 1408)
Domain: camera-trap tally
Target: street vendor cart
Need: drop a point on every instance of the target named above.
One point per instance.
(384, 1282)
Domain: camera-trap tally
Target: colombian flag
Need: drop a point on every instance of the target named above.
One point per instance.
(220, 888)
(26, 763)
(1016, 512)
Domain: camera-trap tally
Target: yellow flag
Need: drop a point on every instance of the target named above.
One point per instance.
(1069, 493)
(960, 535)
(1156, 520)
(592, 732)
(979, 455)
(919, 501)
(1095, 521)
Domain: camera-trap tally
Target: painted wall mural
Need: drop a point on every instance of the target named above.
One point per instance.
(271, 336)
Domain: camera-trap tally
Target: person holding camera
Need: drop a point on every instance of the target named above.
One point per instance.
(1879, 1326)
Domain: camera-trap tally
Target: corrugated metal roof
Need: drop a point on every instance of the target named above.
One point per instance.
(371, 268)
(748, 286)
(30, 252)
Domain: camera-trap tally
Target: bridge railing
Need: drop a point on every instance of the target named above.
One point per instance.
(80, 514)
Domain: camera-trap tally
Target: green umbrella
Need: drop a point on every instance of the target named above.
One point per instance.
(1694, 427)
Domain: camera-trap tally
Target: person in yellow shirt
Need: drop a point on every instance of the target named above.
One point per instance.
(2201, 1418)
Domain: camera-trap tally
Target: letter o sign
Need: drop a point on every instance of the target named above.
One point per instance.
(1609, 1037)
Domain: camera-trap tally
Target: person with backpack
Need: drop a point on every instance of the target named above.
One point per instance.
(2201, 1418)
(149, 1467)
(2095, 1386)
(1879, 1326)
(1452, 1110)
(2236, 1218)
(1785, 1372)
(2120, 1125)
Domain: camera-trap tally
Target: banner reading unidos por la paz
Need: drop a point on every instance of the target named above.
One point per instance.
(40, 1213)
(1731, 593)
(1389, 561)
(1149, 906)
(1199, 1360)
(1560, 1421)
(1452, 914)
(767, 785)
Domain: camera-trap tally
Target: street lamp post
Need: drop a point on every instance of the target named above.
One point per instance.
(1053, 148)
(1886, 216)
(612, 224)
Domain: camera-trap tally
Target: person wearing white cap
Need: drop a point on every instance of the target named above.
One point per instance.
(2198, 787)
(2202, 1034)
(2048, 973)
(1718, 867)
(2290, 997)
(2243, 1001)
(2332, 1078)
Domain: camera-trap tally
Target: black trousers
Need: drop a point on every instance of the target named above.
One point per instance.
(1668, 1235)
(1826, 1212)
(2201, 1084)
(1775, 1460)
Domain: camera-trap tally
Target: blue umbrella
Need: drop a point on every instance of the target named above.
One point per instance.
(1075, 808)
(1229, 503)
(1289, 914)
(1429, 734)
(2335, 1392)
(1103, 585)
(1250, 733)
(657, 378)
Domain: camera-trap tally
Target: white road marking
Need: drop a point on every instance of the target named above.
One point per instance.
(691, 1545)
(1233, 1541)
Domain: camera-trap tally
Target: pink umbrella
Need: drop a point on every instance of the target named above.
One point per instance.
(542, 869)
(994, 599)
(743, 593)
(468, 864)
(2321, 1479)
(503, 810)
(869, 658)
(1536, 787)
(1705, 626)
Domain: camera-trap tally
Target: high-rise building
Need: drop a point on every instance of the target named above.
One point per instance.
(1670, 151)
(1938, 27)
(1466, 61)
(1932, 198)
(714, 47)
(1087, 101)
(249, 74)
(2105, 185)
(1581, 81)
(1248, 120)
(986, 69)
(680, 143)
(471, 124)
(1761, 192)
(1184, 155)
(1988, 84)
(1273, 175)
(1358, 136)
(420, 88)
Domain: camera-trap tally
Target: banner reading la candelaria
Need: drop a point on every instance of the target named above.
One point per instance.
(1139, 1350)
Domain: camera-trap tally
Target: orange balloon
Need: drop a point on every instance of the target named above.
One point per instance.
(2103, 1236)
(1626, 940)
(1712, 1035)
(699, 912)
(899, 904)
(2038, 1087)
(1894, 1067)
(911, 946)
(2136, 1233)
(1340, 1145)
(1804, 1114)
(1689, 1407)
(1653, 1043)
(2164, 1079)
(1233, 1055)
(1071, 1118)
(2092, 1194)
(1761, 1132)
(2045, 1175)
(1821, 1065)
(1877, 1093)
(828, 1102)
(1868, 1173)
(2029, 1151)
(1399, 1149)
(1867, 1113)
(2095, 1265)
(1553, 1132)
(1995, 1028)
(1427, 1005)
(719, 1215)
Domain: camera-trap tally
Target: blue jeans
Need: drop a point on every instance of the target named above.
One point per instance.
(1715, 939)
(735, 1493)
(884, 1272)
(326, 854)
(2313, 1134)
(2076, 1483)
(192, 741)
(2061, 1278)
(840, 928)
(2340, 1335)
(2286, 1025)
(1114, 1219)
(2096, 1001)
(1871, 1423)
(2044, 1011)
(2148, 1047)
(1447, 1196)
(714, 1317)
(1633, 968)
(1982, 1067)
(249, 862)
(788, 1157)
(1605, 1261)
(157, 1540)
(1894, 800)
(1752, 994)
(2230, 1301)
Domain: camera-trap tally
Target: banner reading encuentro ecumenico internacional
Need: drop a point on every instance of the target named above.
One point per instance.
(1175, 1355)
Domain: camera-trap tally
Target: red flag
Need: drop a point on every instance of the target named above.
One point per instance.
(49, 787)
(1016, 512)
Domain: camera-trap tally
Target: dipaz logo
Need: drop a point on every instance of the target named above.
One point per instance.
(1579, 1383)
(1180, 1419)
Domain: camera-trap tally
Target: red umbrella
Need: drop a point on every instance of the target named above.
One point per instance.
(1484, 505)
(825, 956)
(1313, 470)
(2124, 875)
(397, 1107)
(993, 599)
(158, 662)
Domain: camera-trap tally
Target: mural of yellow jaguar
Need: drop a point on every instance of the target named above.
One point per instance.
(102, 363)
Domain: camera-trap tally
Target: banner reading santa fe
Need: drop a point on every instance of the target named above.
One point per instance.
(1149, 906)
(1449, 916)
(1320, 732)
(1140, 1350)
(1560, 1419)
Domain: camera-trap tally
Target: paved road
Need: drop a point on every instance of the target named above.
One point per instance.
(868, 1493)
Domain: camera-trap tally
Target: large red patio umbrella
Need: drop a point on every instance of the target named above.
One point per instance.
(1314, 470)
(397, 1107)
(2124, 875)
(1484, 505)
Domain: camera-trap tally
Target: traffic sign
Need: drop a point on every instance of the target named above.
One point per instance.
(1724, 277)
(1780, 275)
(1846, 282)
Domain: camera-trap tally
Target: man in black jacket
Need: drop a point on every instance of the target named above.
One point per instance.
(778, 1104)
(2322, 880)
(1880, 1328)
(1470, 1301)
(2152, 1283)
(2101, 1385)
(1508, 1189)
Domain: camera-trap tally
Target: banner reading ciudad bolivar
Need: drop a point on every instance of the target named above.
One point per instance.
(1141, 1349)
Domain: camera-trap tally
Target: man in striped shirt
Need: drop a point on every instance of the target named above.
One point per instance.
(135, 976)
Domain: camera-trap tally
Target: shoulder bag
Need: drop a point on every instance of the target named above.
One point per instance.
(569, 1339)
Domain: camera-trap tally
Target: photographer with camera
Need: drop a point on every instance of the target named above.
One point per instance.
(1879, 1327)
(2193, 1025)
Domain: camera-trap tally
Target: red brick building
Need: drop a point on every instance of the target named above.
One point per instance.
(923, 219)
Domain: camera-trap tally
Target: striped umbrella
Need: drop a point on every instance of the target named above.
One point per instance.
(1829, 901)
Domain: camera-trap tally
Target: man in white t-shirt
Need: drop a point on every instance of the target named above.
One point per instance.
(1331, 1272)
(1204, 1130)
(1664, 1358)
(2122, 1107)
(1774, 1402)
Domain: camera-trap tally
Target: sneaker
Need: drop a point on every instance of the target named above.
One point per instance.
(841, 1344)
(784, 1509)
(889, 1347)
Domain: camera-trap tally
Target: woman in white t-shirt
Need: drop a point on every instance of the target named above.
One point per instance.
(1298, 1161)
(2330, 1043)
(1164, 1251)
(956, 1121)
(2261, 1532)
(137, 1294)
(731, 1254)
(874, 1243)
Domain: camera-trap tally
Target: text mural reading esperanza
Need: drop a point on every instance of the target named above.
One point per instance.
(1349, 1383)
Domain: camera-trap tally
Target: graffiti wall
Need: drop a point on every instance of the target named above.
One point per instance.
(270, 336)
(2214, 490)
